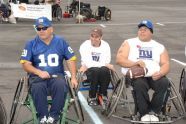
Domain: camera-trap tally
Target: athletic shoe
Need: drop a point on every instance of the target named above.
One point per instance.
(51, 120)
(153, 118)
(43, 120)
(146, 118)
(92, 101)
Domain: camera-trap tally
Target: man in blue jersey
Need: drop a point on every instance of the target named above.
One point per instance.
(43, 58)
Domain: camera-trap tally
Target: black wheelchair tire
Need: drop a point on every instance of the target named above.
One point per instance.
(86, 12)
(113, 101)
(107, 14)
(59, 14)
(3, 114)
(17, 101)
(182, 86)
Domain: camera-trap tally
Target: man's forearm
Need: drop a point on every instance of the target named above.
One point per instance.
(72, 67)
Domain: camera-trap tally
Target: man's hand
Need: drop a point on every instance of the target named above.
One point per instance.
(157, 75)
(43, 74)
(140, 63)
(110, 66)
(83, 68)
(74, 82)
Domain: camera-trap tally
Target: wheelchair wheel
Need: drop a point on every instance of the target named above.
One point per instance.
(77, 104)
(182, 87)
(17, 100)
(114, 77)
(107, 14)
(117, 91)
(86, 12)
(57, 12)
(3, 116)
(176, 100)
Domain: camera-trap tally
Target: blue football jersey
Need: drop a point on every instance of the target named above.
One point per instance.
(47, 57)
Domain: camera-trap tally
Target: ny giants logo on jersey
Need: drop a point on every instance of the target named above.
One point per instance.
(24, 53)
(95, 56)
(145, 52)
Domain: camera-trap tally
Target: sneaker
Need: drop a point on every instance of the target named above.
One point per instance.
(51, 120)
(105, 100)
(153, 118)
(43, 120)
(92, 101)
(146, 118)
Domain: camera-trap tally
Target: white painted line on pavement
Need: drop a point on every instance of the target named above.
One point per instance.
(102, 25)
(160, 24)
(182, 63)
(89, 110)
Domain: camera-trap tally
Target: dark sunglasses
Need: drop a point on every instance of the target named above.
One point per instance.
(42, 28)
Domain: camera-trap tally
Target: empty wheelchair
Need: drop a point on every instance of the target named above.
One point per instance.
(103, 13)
(22, 98)
(85, 9)
(85, 85)
(122, 104)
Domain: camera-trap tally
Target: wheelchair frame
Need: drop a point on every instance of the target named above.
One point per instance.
(120, 98)
(20, 100)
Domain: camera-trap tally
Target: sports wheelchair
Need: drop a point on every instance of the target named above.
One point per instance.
(3, 115)
(23, 98)
(85, 9)
(85, 86)
(122, 104)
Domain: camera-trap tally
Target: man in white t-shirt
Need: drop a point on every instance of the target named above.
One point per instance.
(95, 58)
(145, 52)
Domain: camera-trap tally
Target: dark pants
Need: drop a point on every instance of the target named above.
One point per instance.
(141, 87)
(98, 77)
(41, 88)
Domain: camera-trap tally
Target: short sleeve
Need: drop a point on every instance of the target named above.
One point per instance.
(27, 52)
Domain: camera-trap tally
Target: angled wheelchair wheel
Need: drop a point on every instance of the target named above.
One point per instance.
(17, 100)
(182, 86)
(176, 100)
(114, 77)
(76, 103)
(107, 14)
(3, 115)
(57, 12)
(117, 91)
(86, 12)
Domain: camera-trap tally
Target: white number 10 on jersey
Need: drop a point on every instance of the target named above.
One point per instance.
(52, 60)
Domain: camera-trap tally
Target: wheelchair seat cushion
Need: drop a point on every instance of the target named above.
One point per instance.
(136, 72)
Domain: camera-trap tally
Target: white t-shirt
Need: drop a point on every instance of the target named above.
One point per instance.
(95, 56)
(149, 52)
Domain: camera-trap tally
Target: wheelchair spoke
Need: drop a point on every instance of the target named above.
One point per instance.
(114, 98)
